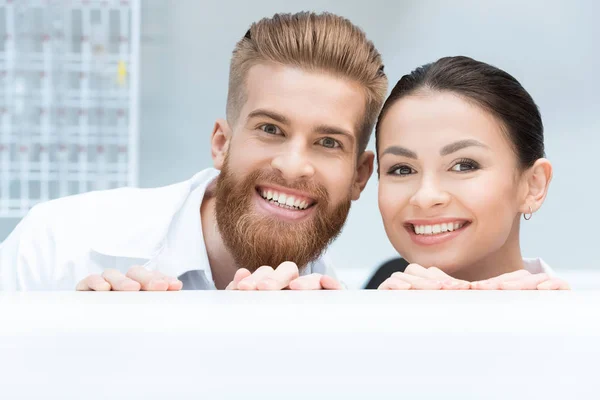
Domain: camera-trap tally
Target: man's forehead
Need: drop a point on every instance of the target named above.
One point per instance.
(304, 97)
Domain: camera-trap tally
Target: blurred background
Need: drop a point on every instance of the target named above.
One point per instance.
(100, 94)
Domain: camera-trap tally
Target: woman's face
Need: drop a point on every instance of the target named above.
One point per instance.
(450, 187)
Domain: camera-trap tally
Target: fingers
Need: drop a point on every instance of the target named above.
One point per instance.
(417, 277)
(518, 280)
(416, 282)
(315, 282)
(307, 282)
(448, 282)
(435, 274)
(285, 276)
(137, 278)
(530, 282)
(174, 284)
(329, 283)
(417, 270)
(554, 284)
(148, 280)
(279, 279)
(421, 278)
(250, 282)
(394, 283)
(93, 283)
(495, 283)
(119, 282)
(240, 274)
(153, 280)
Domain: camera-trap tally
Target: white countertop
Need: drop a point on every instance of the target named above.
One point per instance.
(284, 345)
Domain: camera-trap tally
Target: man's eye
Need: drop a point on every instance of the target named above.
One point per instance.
(329, 143)
(270, 129)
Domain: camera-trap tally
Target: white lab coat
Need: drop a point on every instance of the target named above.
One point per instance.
(62, 241)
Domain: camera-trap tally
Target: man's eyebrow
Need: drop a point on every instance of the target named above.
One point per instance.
(269, 114)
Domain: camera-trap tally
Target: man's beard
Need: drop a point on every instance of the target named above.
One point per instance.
(257, 239)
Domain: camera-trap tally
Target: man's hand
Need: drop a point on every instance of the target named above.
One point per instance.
(285, 276)
(137, 278)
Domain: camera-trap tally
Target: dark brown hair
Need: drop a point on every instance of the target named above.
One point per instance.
(496, 91)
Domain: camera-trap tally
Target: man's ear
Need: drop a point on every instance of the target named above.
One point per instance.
(364, 170)
(536, 180)
(219, 142)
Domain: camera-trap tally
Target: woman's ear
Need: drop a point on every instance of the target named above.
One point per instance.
(536, 180)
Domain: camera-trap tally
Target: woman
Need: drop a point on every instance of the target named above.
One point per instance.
(460, 151)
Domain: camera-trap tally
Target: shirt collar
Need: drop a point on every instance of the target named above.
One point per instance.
(537, 266)
(184, 249)
(148, 224)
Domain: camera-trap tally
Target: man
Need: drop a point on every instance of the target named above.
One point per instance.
(304, 93)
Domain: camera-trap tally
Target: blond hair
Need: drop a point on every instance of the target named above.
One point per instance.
(315, 42)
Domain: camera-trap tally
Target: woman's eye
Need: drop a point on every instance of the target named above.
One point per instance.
(401, 170)
(329, 143)
(464, 166)
(270, 129)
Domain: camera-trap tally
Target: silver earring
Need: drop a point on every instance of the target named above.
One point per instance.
(526, 216)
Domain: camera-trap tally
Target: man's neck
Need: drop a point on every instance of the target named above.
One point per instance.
(221, 262)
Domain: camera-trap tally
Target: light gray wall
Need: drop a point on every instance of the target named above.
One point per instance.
(551, 47)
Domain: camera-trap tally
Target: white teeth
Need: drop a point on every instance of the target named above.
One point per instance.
(437, 229)
(284, 200)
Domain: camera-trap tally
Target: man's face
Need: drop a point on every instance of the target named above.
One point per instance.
(289, 165)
